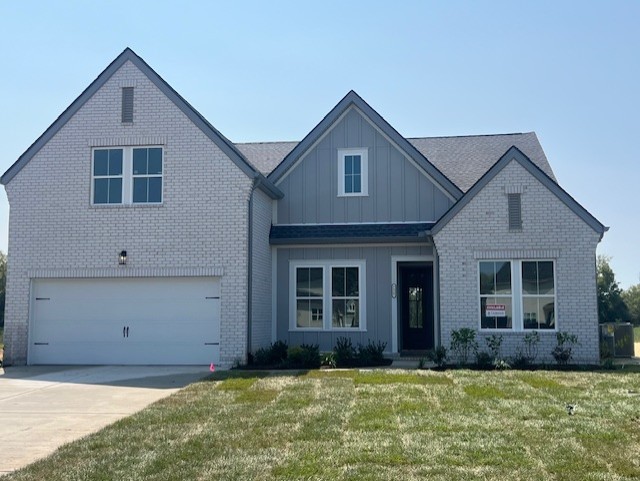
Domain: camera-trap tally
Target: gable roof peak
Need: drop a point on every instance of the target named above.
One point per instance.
(192, 114)
(381, 124)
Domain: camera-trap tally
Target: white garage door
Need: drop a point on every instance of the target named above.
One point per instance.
(125, 321)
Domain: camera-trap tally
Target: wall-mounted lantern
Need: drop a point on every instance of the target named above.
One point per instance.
(122, 258)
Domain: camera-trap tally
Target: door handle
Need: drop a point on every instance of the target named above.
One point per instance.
(124, 330)
(127, 331)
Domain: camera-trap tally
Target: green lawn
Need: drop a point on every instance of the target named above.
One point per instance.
(368, 425)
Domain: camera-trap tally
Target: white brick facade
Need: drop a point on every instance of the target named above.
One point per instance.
(550, 230)
(201, 225)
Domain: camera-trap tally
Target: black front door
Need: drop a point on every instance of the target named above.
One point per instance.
(416, 307)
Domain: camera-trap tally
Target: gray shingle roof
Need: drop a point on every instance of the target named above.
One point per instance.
(462, 159)
(347, 233)
(266, 156)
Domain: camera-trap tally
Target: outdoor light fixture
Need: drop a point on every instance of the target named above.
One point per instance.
(122, 258)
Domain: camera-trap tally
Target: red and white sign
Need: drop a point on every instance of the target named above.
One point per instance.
(496, 310)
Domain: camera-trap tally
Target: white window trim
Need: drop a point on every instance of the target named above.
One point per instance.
(327, 310)
(364, 180)
(127, 175)
(517, 296)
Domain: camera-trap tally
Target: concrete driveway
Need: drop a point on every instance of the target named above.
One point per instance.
(42, 408)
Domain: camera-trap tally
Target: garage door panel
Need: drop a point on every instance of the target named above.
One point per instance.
(125, 321)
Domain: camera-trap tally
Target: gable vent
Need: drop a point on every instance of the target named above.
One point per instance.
(127, 104)
(515, 211)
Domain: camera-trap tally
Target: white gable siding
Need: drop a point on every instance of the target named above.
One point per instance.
(549, 230)
(202, 222)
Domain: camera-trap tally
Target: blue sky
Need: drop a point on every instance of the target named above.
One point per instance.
(260, 71)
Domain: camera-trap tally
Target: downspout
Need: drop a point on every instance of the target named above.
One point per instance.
(256, 182)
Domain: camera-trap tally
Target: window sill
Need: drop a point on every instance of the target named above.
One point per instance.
(517, 331)
(353, 195)
(126, 206)
(330, 331)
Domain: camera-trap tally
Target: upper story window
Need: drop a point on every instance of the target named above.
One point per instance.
(353, 172)
(518, 295)
(127, 175)
(147, 175)
(107, 176)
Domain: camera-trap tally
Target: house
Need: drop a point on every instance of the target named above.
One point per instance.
(139, 234)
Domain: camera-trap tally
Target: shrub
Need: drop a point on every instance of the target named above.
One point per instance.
(329, 360)
(520, 360)
(371, 354)
(438, 356)
(531, 341)
(463, 343)
(494, 343)
(278, 352)
(273, 355)
(563, 352)
(305, 356)
(344, 352)
(484, 360)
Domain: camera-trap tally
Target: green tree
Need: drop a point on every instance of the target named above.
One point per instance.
(631, 298)
(611, 306)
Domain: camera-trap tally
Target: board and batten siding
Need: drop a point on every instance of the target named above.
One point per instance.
(377, 292)
(398, 190)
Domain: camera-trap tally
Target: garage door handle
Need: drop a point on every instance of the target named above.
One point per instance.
(127, 331)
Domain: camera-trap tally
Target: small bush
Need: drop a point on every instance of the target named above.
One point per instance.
(494, 343)
(463, 343)
(279, 351)
(274, 355)
(344, 352)
(484, 360)
(305, 356)
(438, 356)
(563, 352)
(329, 360)
(371, 354)
(531, 341)
(520, 360)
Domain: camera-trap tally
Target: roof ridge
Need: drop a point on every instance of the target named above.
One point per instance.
(268, 142)
(470, 135)
(258, 142)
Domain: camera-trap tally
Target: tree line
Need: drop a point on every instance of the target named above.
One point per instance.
(614, 303)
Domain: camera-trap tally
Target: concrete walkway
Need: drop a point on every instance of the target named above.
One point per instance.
(42, 408)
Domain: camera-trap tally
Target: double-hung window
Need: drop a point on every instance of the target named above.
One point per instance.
(352, 172)
(127, 175)
(147, 175)
(518, 295)
(327, 295)
(107, 176)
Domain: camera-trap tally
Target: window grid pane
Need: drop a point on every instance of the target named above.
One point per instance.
(538, 300)
(147, 184)
(309, 298)
(345, 297)
(107, 173)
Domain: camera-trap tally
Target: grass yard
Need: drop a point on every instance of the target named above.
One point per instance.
(370, 425)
